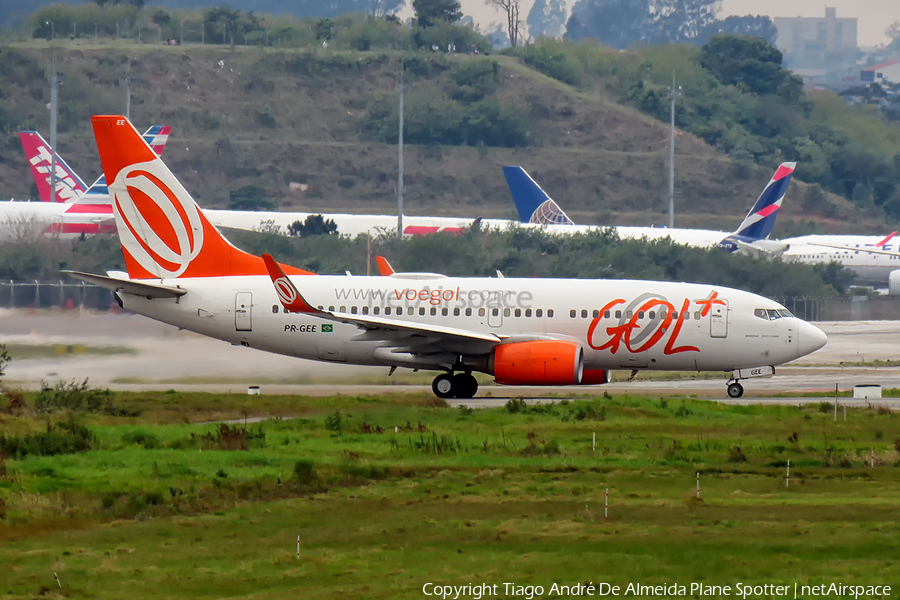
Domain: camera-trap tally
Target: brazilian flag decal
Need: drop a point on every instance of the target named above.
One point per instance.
(329, 328)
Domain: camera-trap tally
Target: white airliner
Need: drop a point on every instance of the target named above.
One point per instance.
(74, 210)
(875, 260)
(182, 271)
(537, 207)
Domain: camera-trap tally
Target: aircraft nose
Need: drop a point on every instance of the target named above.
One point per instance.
(811, 339)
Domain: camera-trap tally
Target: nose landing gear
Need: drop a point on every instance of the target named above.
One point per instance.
(461, 385)
(735, 390)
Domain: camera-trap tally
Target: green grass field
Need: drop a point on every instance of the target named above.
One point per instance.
(452, 497)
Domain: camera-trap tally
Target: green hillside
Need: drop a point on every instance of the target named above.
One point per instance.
(314, 127)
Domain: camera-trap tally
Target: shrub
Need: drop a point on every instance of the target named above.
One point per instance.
(475, 79)
(515, 405)
(141, 438)
(67, 437)
(228, 437)
(71, 396)
(552, 58)
(736, 455)
(333, 422)
(305, 471)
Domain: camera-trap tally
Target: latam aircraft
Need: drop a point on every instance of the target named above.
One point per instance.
(182, 271)
(751, 236)
(74, 210)
(875, 260)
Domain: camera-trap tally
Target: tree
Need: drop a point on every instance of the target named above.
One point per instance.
(513, 25)
(760, 26)
(250, 197)
(893, 32)
(430, 12)
(750, 64)
(680, 21)
(548, 18)
(616, 23)
(313, 225)
(228, 17)
(621, 23)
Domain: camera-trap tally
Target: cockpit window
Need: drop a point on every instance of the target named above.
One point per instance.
(771, 314)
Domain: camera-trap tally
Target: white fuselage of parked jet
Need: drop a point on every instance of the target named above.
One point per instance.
(872, 263)
(619, 324)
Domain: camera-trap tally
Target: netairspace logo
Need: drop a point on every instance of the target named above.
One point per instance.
(477, 591)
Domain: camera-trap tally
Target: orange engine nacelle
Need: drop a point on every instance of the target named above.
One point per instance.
(541, 362)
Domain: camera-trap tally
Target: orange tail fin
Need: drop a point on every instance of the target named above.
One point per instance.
(163, 232)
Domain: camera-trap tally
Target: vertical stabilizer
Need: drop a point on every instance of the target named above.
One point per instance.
(758, 223)
(163, 232)
(40, 157)
(532, 202)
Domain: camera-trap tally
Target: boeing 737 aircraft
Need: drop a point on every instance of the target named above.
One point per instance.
(751, 236)
(182, 271)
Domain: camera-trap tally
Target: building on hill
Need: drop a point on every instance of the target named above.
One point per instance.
(886, 71)
(827, 43)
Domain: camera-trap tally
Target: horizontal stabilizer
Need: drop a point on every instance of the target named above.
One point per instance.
(148, 290)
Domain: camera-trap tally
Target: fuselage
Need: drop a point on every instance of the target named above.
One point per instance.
(620, 324)
(871, 268)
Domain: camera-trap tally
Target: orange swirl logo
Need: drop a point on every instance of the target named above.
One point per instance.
(158, 222)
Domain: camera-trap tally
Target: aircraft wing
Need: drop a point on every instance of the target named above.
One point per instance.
(293, 301)
(136, 288)
(852, 249)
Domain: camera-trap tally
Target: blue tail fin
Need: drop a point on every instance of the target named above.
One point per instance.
(760, 220)
(533, 203)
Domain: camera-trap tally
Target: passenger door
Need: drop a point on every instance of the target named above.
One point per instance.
(243, 316)
(718, 320)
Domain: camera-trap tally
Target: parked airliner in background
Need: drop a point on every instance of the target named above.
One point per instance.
(182, 271)
(69, 186)
(76, 211)
(750, 237)
(875, 260)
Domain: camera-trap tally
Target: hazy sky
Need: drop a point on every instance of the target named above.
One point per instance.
(873, 16)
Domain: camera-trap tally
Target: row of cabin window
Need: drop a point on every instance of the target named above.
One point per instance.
(433, 311)
(629, 314)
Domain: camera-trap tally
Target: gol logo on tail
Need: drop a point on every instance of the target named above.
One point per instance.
(159, 224)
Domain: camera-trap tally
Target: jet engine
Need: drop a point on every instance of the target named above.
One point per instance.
(538, 362)
(894, 283)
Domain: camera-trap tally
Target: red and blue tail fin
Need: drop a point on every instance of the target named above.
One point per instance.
(98, 192)
(69, 185)
(532, 202)
(758, 223)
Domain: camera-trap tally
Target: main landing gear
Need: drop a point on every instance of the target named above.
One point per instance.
(461, 385)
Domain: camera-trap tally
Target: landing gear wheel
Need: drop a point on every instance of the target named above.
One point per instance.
(735, 390)
(443, 386)
(465, 384)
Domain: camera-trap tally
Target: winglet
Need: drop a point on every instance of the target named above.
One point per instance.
(384, 267)
(287, 293)
(885, 240)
